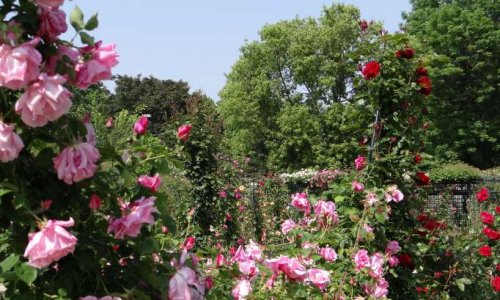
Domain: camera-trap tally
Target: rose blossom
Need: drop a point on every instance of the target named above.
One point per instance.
(485, 251)
(418, 159)
(19, 65)
(50, 244)
(320, 278)
(52, 23)
(277, 264)
(98, 67)
(150, 182)
(423, 178)
(487, 218)
(141, 125)
(248, 268)
(393, 194)
(357, 186)
(240, 291)
(10, 143)
(45, 100)
(301, 203)
(393, 261)
(371, 70)
(189, 243)
(425, 85)
(294, 270)
(95, 202)
(184, 285)
(405, 53)
(287, 226)
(361, 259)
(135, 214)
(421, 71)
(76, 163)
(392, 247)
(253, 251)
(91, 137)
(360, 163)
(495, 283)
(376, 265)
(371, 198)
(49, 3)
(184, 131)
(378, 290)
(326, 210)
(328, 254)
(491, 233)
(482, 195)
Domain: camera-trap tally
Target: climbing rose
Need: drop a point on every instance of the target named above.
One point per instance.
(363, 25)
(150, 182)
(189, 243)
(491, 233)
(301, 203)
(423, 178)
(50, 3)
(287, 226)
(422, 71)
(52, 23)
(76, 163)
(183, 132)
(95, 202)
(425, 85)
(294, 270)
(485, 251)
(487, 218)
(393, 194)
(326, 210)
(44, 101)
(98, 67)
(361, 259)
(482, 195)
(357, 186)
(320, 278)
(10, 143)
(50, 244)
(497, 209)
(184, 285)
(405, 53)
(328, 254)
(360, 163)
(495, 283)
(134, 215)
(141, 125)
(240, 291)
(378, 290)
(371, 70)
(392, 247)
(20, 65)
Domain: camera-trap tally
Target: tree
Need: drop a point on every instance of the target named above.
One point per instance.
(462, 37)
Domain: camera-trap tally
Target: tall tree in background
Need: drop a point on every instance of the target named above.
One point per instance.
(463, 38)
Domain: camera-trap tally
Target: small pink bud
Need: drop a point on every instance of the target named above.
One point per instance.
(189, 243)
(109, 122)
(183, 132)
(95, 202)
(164, 229)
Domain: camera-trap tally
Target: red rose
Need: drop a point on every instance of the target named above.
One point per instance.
(482, 195)
(425, 85)
(418, 159)
(405, 259)
(405, 53)
(422, 71)
(497, 209)
(485, 251)
(487, 218)
(495, 283)
(371, 70)
(423, 178)
(491, 233)
(433, 225)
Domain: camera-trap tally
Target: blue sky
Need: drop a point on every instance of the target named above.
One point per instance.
(198, 40)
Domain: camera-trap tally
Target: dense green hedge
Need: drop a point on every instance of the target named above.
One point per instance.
(455, 172)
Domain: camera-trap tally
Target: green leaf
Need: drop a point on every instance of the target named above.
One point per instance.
(26, 273)
(4, 191)
(92, 23)
(86, 38)
(76, 19)
(9, 262)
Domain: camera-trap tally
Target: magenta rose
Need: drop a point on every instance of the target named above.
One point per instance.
(301, 203)
(320, 278)
(95, 202)
(392, 247)
(393, 194)
(287, 226)
(20, 65)
(150, 182)
(357, 186)
(141, 125)
(50, 244)
(76, 163)
(326, 210)
(52, 23)
(10, 143)
(328, 254)
(360, 163)
(98, 67)
(361, 259)
(135, 214)
(44, 101)
(50, 3)
(294, 270)
(183, 132)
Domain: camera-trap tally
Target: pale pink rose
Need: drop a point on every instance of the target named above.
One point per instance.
(141, 125)
(357, 186)
(183, 132)
(326, 210)
(287, 226)
(378, 290)
(241, 290)
(95, 202)
(392, 247)
(52, 23)
(10, 143)
(248, 268)
(277, 264)
(320, 278)
(361, 259)
(376, 265)
(76, 163)
(150, 182)
(44, 101)
(98, 67)
(301, 203)
(253, 251)
(20, 65)
(240, 254)
(184, 285)
(371, 199)
(393, 261)
(49, 3)
(360, 163)
(328, 254)
(294, 270)
(135, 214)
(393, 194)
(50, 244)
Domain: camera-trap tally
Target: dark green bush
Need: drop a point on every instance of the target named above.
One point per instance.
(455, 172)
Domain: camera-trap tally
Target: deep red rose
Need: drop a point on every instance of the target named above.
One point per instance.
(433, 225)
(363, 24)
(497, 209)
(405, 53)
(405, 259)
(485, 251)
(491, 233)
(418, 159)
(422, 71)
(482, 195)
(495, 283)
(425, 85)
(371, 70)
(487, 218)
(423, 178)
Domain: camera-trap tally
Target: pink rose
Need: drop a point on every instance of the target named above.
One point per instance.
(240, 254)
(184, 285)
(393, 194)
(357, 186)
(219, 260)
(134, 215)
(248, 268)
(189, 243)
(326, 210)
(392, 247)
(378, 290)
(49, 3)
(361, 259)
(287, 226)
(95, 202)
(319, 278)
(52, 23)
(376, 265)
(277, 264)
(253, 251)
(301, 203)
(371, 198)
(360, 163)
(141, 125)
(328, 254)
(393, 261)
(76, 163)
(150, 182)
(240, 291)
(98, 67)
(10, 143)
(20, 65)
(109, 122)
(294, 270)
(50, 244)
(184, 132)
(45, 100)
